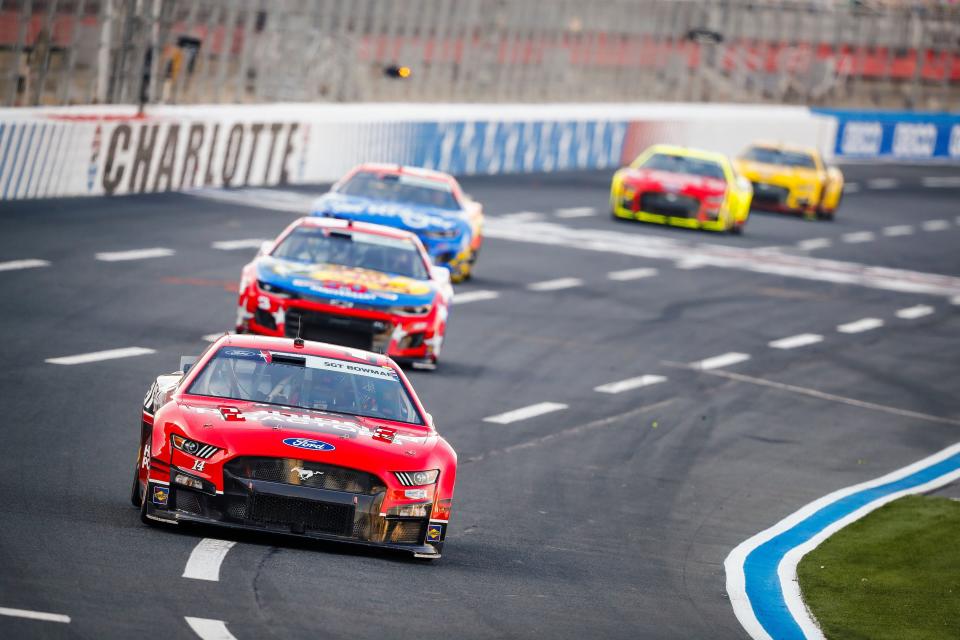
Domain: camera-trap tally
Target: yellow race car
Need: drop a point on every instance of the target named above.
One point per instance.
(683, 187)
(791, 179)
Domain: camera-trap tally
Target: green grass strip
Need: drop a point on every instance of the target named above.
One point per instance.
(893, 574)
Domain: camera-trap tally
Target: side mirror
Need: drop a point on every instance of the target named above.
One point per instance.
(186, 362)
(265, 248)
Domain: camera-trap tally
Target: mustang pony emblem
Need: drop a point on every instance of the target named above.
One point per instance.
(306, 474)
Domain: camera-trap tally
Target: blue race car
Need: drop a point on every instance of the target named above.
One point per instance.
(429, 203)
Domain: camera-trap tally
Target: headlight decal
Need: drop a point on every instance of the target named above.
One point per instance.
(193, 448)
(417, 478)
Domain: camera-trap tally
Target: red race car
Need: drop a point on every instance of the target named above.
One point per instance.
(298, 438)
(350, 283)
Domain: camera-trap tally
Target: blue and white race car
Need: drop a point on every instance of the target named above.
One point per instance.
(429, 203)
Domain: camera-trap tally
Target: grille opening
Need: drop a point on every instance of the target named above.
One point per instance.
(306, 474)
(265, 319)
(188, 501)
(668, 204)
(326, 517)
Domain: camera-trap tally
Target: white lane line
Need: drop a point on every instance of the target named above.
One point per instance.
(851, 187)
(898, 230)
(34, 615)
(936, 225)
(209, 629)
(859, 326)
(689, 264)
(799, 340)
(768, 250)
(724, 360)
(941, 181)
(206, 558)
(859, 236)
(134, 254)
(955, 300)
(814, 243)
(474, 296)
(32, 263)
(883, 183)
(555, 285)
(525, 413)
(575, 212)
(632, 274)
(629, 384)
(522, 216)
(210, 337)
(97, 356)
(230, 245)
(912, 313)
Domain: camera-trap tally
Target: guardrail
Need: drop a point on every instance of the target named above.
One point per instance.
(113, 151)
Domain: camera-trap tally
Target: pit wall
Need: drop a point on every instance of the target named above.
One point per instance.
(96, 151)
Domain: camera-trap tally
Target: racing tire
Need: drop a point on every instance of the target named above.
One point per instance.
(143, 510)
(736, 229)
(136, 494)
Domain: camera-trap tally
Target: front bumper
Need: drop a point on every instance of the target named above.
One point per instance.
(782, 198)
(404, 338)
(689, 215)
(300, 511)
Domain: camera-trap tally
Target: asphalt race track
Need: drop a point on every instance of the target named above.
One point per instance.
(609, 517)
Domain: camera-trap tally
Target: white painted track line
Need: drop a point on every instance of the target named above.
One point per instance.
(955, 300)
(630, 383)
(858, 237)
(209, 629)
(898, 230)
(799, 340)
(474, 296)
(724, 360)
(941, 181)
(525, 413)
(134, 254)
(814, 243)
(851, 187)
(632, 274)
(575, 212)
(97, 356)
(206, 558)
(859, 326)
(14, 265)
(689, 264)
(935, 225)
(555, 285)
(210, 337)
(912, 313)
(231, 245)
(522, 216)
(883, 183)
(34, 615)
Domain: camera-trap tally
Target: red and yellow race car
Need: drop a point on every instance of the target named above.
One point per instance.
(683, 187)
(791, 179)
(297, 438)
(350, 283)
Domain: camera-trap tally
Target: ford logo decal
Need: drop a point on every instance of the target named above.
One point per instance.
(307, 443)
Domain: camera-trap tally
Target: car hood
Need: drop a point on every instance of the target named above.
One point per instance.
(763, 170)
(415, 218)
(286, 432)
(347, 284)
(674, 181)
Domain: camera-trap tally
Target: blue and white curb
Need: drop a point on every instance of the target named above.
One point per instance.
(762, 571)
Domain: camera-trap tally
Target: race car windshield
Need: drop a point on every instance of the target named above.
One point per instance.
(355, 249)
(783, 158)
(306, 382)
(392, 187)
(684, 164)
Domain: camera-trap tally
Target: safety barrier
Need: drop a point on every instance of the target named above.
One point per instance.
(113, 151)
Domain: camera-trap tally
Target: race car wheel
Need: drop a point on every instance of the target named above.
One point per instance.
(143, 509)
(136, 492)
